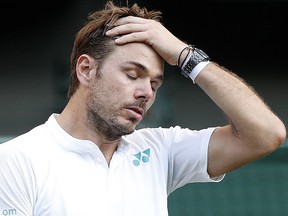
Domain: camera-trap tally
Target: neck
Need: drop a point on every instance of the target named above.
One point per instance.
(73, 121)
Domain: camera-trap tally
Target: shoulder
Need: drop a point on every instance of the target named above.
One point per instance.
(169, 136)
(173, 132)
(24, 140)
(158, 133)
(26, 146)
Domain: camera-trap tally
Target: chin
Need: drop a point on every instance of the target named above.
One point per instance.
(131, 128)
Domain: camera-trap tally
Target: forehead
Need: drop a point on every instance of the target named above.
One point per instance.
(137, 52)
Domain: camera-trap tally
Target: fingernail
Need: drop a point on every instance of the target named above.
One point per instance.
(116, 37)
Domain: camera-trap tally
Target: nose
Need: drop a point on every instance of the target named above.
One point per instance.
(144, 90)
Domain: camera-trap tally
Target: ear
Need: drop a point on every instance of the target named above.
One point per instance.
(85, 69)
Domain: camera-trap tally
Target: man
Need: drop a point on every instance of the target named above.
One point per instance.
(90, 159)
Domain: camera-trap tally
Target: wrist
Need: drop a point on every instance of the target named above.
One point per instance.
(185, 52)
(197, 69)
(193, 59)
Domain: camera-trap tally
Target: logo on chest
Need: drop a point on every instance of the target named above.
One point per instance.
(141, 157)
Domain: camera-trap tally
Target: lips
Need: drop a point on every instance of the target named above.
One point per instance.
(136, 112)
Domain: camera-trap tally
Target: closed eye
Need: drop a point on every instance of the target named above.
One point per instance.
(132, 77)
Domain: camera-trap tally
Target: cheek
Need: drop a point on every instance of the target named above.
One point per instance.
(115, 94)
(114, 88)
(110, 87)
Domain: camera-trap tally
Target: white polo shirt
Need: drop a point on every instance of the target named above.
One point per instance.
(47, 172)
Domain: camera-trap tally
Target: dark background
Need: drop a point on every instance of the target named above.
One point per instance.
(248, 37)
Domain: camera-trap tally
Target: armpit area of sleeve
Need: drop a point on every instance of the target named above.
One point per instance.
(204, 155)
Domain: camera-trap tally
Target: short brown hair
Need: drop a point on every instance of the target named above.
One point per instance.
(91, 39)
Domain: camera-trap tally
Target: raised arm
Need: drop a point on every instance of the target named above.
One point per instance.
(253, 131)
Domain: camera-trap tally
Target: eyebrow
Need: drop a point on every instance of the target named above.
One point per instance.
(143, 68)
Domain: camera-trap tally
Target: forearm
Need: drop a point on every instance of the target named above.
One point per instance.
(250, 117)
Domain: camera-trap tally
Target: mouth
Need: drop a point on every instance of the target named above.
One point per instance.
(136, 112)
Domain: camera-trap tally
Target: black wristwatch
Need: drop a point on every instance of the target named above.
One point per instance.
(197, 56)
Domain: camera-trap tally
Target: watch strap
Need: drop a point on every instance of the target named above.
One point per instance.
(196, 56)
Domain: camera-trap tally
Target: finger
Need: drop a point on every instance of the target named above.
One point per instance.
(130, 19)
(128, 24)
(125, 29)
(133, 37)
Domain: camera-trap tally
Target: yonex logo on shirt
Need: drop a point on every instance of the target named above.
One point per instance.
(143, 156)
